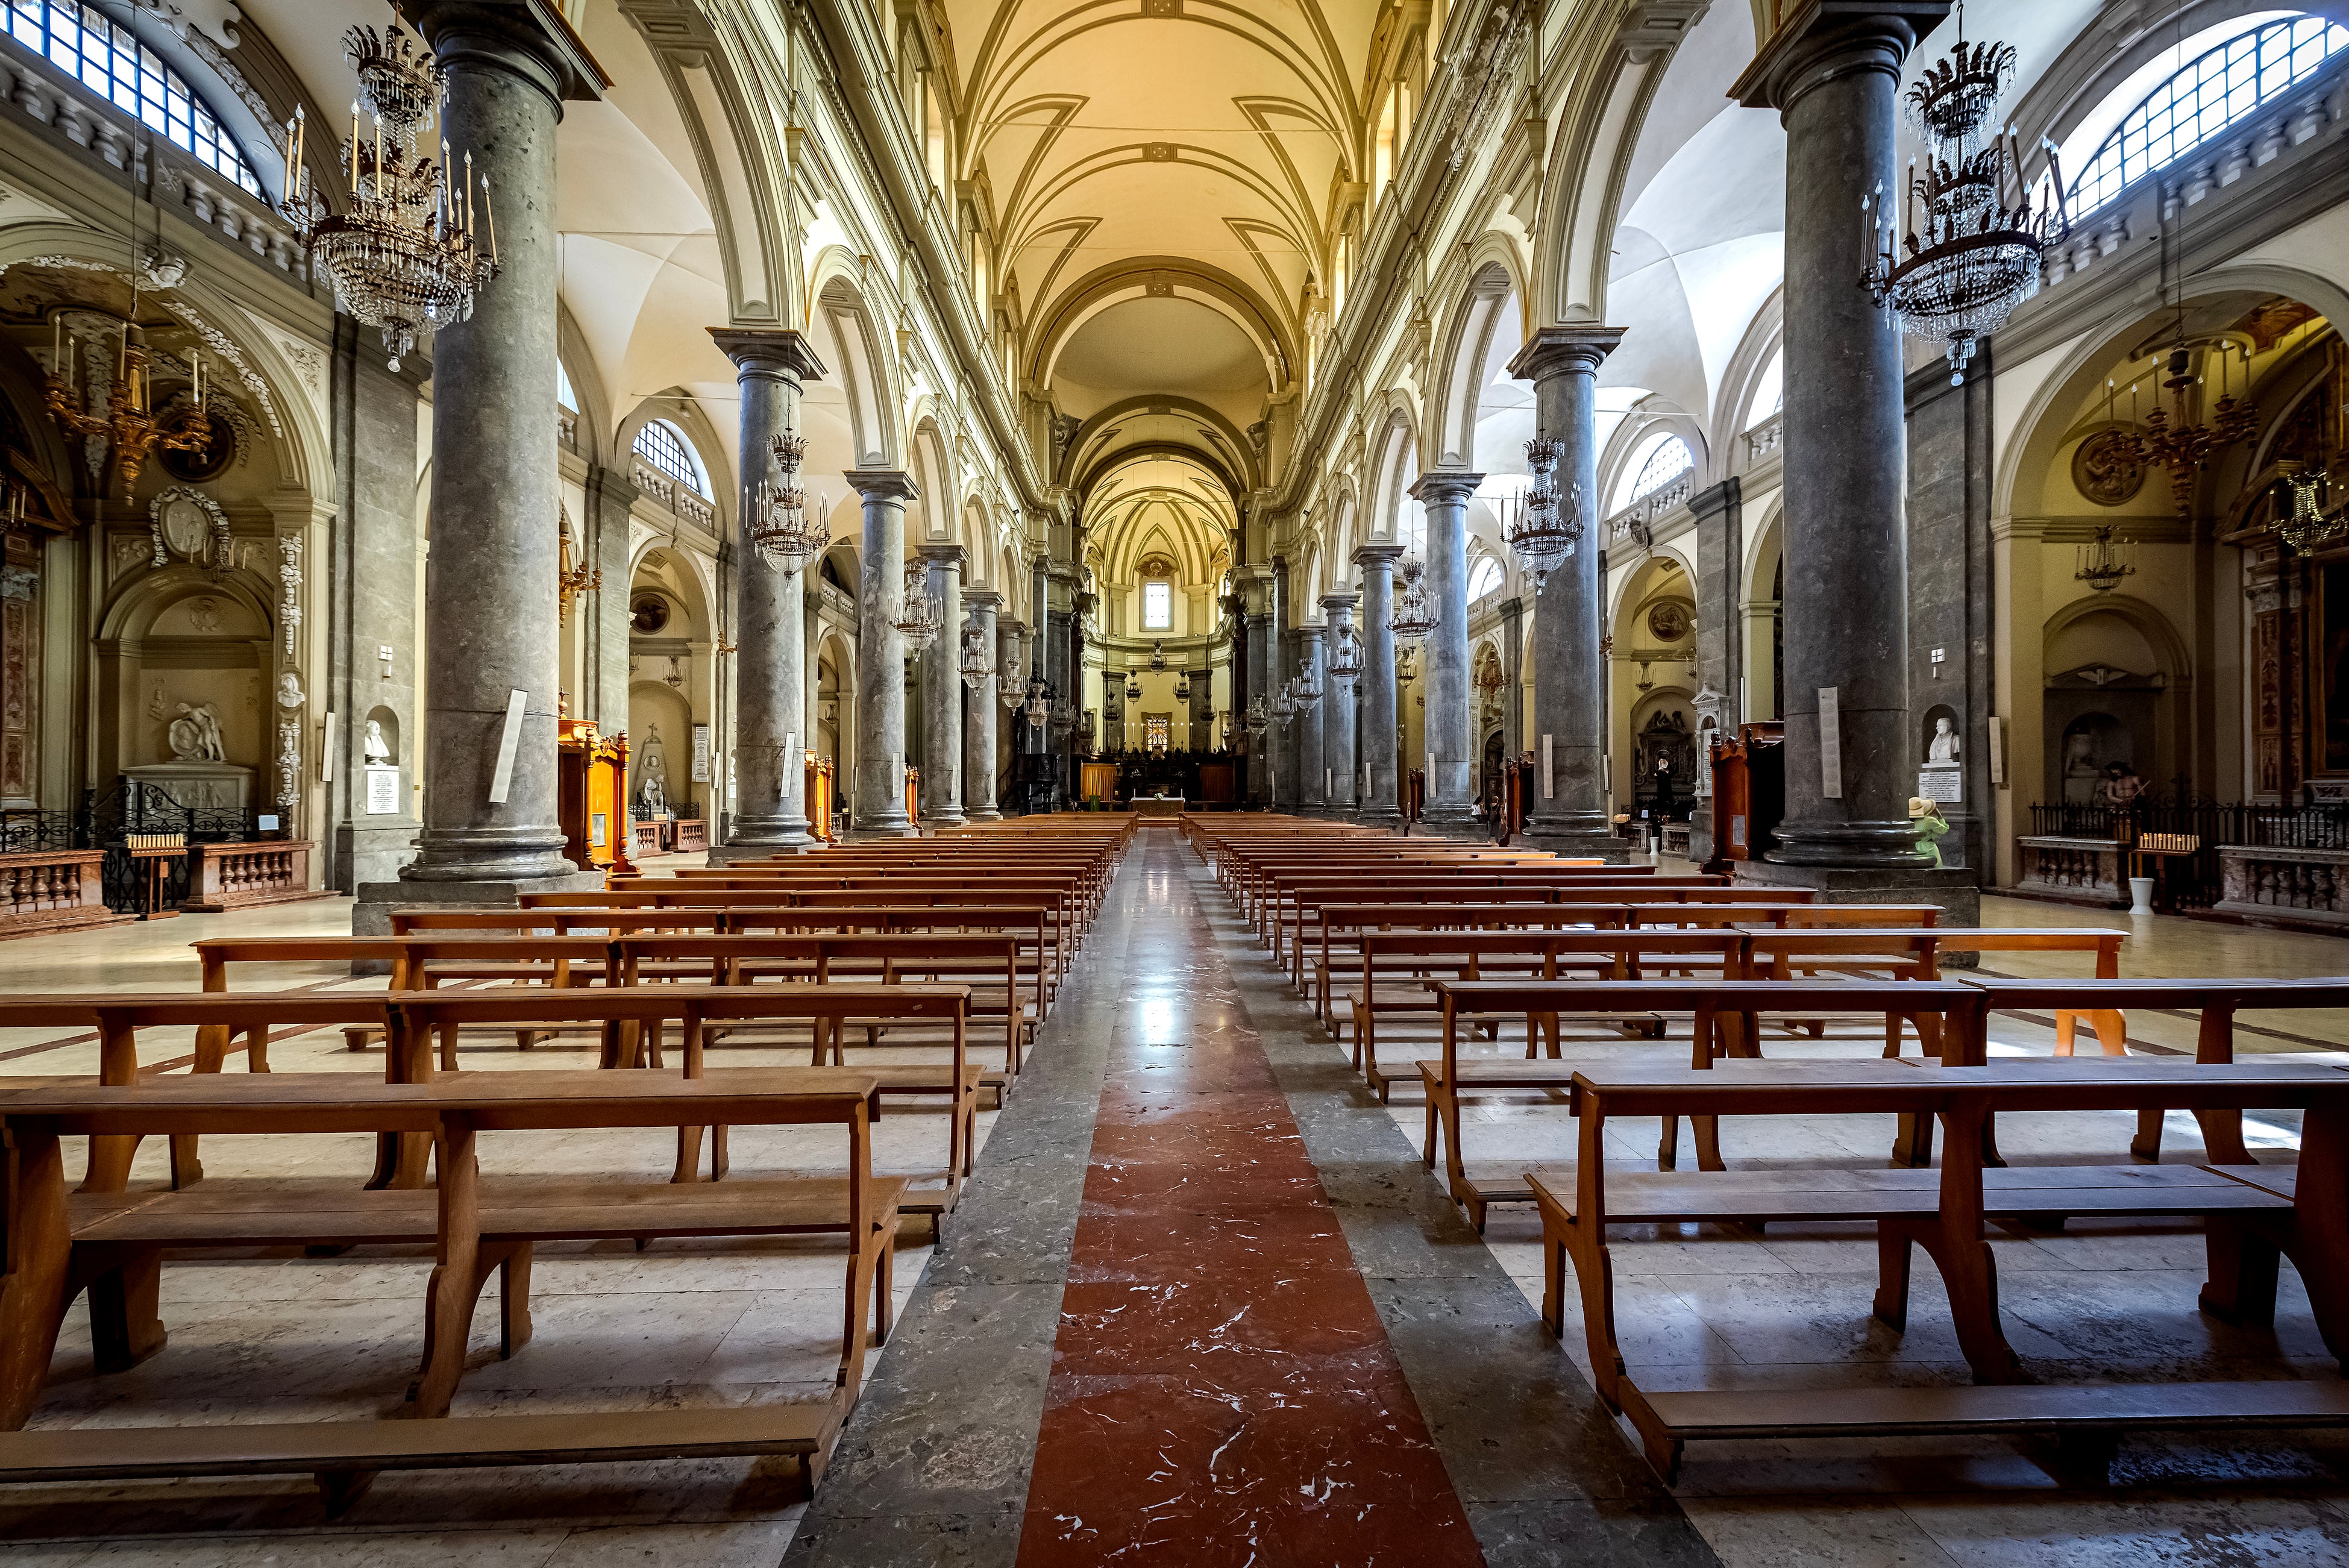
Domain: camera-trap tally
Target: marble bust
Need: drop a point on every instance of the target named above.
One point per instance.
(378, 750)
(1943, 747)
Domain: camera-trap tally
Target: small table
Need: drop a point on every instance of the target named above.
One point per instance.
(156, 849)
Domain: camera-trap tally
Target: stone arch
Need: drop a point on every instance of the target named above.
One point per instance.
(679, 409)
(1397, 471)
(1740, 380)
(179, 634)
(867, 372)
(930, 519)
(1467, 350)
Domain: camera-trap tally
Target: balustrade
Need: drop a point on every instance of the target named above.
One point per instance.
(240, 875)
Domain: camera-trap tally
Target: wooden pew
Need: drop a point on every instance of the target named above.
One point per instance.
(111, 1245)
(1945, 1213)
(1342, 927)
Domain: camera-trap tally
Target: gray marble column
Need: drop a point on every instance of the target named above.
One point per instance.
(1281, 739)
(881, 654)
(981, 710)
(1380, 802)
(1832, 76)
(609, 495)
(491, 625)
(1512, 677)
(1569, 613)
(1312, 787)
(1720, 551)
(1451, 726)
(770, 734)
(1337, 710)
(942, 689)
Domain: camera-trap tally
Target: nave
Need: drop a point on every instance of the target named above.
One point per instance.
(1200, 1301)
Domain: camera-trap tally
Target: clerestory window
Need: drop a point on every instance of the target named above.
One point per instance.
(111, 62)
(659, 444)
(2215, 90)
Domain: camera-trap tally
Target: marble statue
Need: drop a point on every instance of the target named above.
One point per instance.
(652, 786)
(378, 750)
(195, 735)
(1943, 747)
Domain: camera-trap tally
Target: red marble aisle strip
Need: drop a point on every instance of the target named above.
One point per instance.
(1222, 1392)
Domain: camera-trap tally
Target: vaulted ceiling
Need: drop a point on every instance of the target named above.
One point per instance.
(1163, 175)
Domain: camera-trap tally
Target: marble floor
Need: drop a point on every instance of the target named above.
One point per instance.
(1201, 1305)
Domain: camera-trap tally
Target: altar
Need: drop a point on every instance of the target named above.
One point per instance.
(1162, 808)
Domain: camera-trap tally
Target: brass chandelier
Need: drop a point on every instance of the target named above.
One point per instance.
(2308, 525)
(130, 423)
(1972, 242)
(781, 528)
(2101, 565)
(403, 256)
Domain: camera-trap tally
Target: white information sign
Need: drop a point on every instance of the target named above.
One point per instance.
(1549, 777)
(701, 754)
(509, 743)
(1830, 743)
(1941, 785)
(383, 791)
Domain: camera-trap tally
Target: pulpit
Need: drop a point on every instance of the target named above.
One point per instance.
(593, 800)
(1748, 794)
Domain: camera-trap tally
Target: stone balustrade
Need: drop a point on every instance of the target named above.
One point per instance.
(1642, 515)
(2077, 871)
(2303, 887)
(238, 876)
(204, 196)
(53, 890)
(656, 486)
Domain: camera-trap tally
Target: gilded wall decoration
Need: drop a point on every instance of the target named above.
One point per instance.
(2108, 468)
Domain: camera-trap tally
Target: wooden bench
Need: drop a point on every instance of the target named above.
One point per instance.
(474, 1230)
(1945, 1211)
(1342, 926)
(1723, 1013)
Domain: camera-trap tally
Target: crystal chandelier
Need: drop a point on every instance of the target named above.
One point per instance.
(1132, 686)
(2307, 525)
(131, 424)
(1014, 694)
(781, 528)
(1284, 707)
(1541, 531)
(1345, 655)
(403, 256)
(977, 669)
(1182, 686)
(1158, 654)
(1037, 708)
(1308, 687)
(2102, 566)
(922, 615)
(1415, 611)
(1259, 715)
(1975, 255)
(1064, 718)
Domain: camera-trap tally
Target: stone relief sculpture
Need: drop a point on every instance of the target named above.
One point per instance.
(289, 575)
(289, 691)
(289, 766)
(195, 735)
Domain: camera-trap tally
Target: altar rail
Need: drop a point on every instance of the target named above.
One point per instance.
(52, 889)
(2200, 881)
(238, 876)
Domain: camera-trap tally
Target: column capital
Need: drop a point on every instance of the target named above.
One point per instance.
(529, 38)
(982, 600)
(1311, 632)
(779, 351)
(953, 555)
(1339, 607)
(1440, 487)
(1714, 500)
(1564, 351)
(882, 484)
(1825, 39)
(1381, 555)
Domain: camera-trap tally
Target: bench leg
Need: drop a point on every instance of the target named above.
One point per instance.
(338, 1489)
(125, 1324)
(1892, 1260)
(1707, 1130)
(448, 1048)
(109, 1162)
(688, 1155)
(1553, 1306)
(33, 1292)
(1667, 1144)
(2222, 1137)
(2241, 1289)
(1428, 1146)
(461, 1269)
(514, 1299)
(884, 1292)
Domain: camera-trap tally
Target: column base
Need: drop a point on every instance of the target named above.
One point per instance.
(1951, 887)
(371, 913)
(1833, 844)
(760, 849)
(983, 814)
(1457, 826)
(947, 819)
(1571, 844)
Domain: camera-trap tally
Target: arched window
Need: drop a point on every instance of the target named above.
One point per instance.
(563, 391)
(111, 62)
(2189, 107)
(660, 444)
(1158, 605)
(1663, 459)
(1484, 578)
